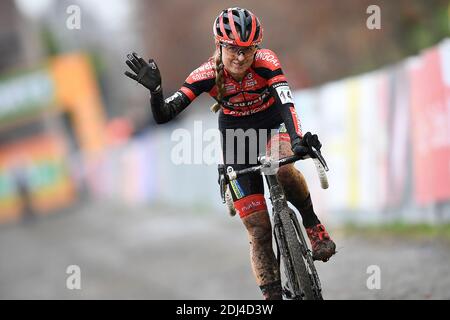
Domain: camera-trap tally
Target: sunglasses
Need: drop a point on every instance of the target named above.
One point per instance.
(238, 50)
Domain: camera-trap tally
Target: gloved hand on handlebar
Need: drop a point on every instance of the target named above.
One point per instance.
(145, 73)
(303, 147)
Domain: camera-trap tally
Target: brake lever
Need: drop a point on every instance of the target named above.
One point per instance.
(318, 155)
(222, 181)
(223, 189)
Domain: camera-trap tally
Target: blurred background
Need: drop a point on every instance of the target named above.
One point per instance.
(87, 177)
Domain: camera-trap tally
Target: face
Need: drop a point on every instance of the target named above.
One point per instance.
(237, 60)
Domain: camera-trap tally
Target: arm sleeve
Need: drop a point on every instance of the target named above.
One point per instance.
(200, 80)
(165, 110)
(284, 102)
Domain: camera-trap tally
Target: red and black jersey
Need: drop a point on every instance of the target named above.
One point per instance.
(263, 88)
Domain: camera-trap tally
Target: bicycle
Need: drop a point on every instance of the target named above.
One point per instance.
(301, 280)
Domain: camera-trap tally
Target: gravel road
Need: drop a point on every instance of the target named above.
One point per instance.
(144, 253)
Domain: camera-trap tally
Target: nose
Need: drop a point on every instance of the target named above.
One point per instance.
(241, 56)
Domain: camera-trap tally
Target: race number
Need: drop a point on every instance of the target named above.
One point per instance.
(285, 95)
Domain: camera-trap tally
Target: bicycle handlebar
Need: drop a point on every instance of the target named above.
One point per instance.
(319, 161)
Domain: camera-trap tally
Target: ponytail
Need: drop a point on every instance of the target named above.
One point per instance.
(220, 80)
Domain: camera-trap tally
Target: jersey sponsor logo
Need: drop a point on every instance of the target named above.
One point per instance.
(203, 67)
(269, 57)
(285, 95)
(279, 84)
(230, 88)
(250, 204)
(297, 124)
(245, 100)
(250, 83)
(248, 112)
(205, 71)
(173, 97)
(203, 76)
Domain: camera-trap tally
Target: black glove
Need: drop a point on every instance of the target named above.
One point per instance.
(303, 147)
(145, 73)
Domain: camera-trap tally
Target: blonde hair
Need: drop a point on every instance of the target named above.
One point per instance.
(220, 80)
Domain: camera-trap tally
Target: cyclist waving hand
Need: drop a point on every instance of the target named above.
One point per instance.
(251, 92)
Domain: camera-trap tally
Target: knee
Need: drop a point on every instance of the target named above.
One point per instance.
(259, 227)
(293, 182)
(286, 174)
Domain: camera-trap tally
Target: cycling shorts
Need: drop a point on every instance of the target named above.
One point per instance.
(243, 140)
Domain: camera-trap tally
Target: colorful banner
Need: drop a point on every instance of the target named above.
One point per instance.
(430, 107)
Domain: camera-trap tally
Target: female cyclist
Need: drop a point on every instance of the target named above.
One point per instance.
(252, 93)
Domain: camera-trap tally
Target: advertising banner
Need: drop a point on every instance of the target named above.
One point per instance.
(430, 107)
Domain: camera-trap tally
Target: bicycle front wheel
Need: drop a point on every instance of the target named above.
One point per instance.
(291, 250)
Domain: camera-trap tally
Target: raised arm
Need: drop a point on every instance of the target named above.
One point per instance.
(149, 76)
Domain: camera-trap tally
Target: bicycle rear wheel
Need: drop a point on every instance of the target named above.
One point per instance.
(291, 250)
